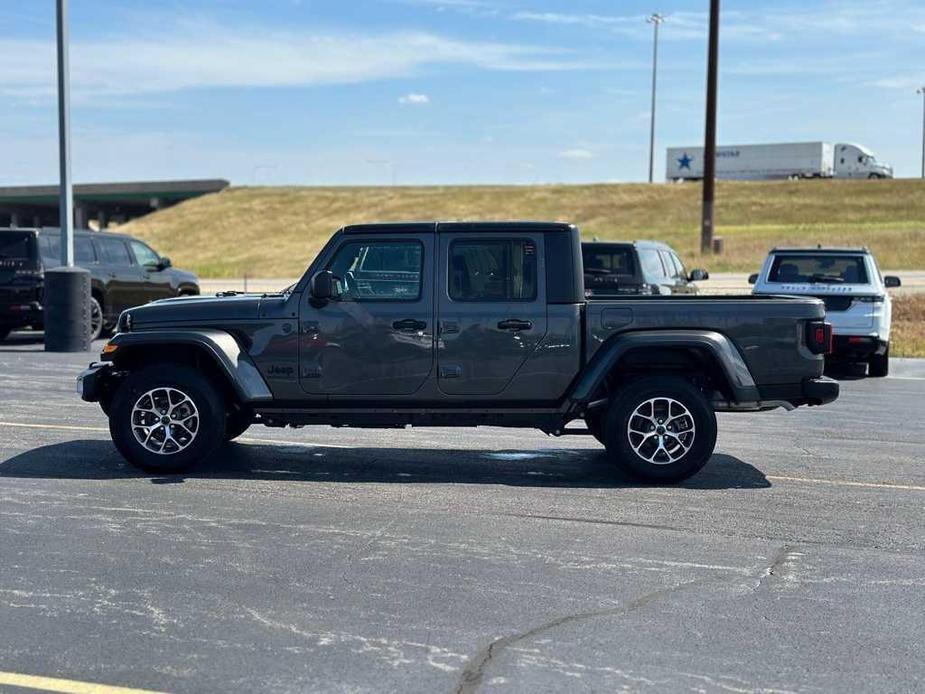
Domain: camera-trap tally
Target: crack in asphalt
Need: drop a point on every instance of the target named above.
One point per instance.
(474, 671)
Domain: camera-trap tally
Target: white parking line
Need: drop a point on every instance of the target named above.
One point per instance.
(307, 444)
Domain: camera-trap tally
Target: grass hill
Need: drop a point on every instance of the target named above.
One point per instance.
(275, 232)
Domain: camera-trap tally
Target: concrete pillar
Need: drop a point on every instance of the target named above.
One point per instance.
(14, 219)
(36, 221)
(102, 219)
(80, 217)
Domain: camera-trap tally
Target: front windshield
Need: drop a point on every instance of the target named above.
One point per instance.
(823, 268)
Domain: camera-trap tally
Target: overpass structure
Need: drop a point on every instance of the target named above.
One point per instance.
(37, 206)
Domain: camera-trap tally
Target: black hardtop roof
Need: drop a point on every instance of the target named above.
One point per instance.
(79, 232)
(820, 249)
(629, 244)
(450, 227)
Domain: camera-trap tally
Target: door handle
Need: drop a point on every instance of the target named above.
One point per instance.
(515, 324)
(409, 325)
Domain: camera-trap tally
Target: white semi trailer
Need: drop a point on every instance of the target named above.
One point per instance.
(779, 161)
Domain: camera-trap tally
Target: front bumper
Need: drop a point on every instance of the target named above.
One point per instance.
(93, 383)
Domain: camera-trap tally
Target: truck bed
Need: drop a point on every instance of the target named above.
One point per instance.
(767, 330)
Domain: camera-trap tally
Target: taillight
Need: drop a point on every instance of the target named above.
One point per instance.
(819, 337)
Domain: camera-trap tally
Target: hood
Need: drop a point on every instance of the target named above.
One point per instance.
(196, 309)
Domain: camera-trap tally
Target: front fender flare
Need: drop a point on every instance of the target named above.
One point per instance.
(715, 344)
(220, 345)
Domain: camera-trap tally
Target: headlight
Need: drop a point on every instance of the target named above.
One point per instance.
(124, 324)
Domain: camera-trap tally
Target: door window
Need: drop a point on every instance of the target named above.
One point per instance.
(492, 270)
(651, 265)
(114, 252)
(379, 270)
(51, 250)
(144, 255)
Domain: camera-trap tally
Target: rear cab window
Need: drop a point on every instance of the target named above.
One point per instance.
(823, 268)
(492, 270)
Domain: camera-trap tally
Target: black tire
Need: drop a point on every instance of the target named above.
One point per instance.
(237, 423)
(682, 451)
(205, 397)
(5, 332)
(96, 318)
(878, 365)
(593, 422)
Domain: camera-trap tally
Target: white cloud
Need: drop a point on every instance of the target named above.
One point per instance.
(576, 154)
(190, 56)
(416, 99)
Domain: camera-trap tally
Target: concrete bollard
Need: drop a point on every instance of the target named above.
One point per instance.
(67, 309)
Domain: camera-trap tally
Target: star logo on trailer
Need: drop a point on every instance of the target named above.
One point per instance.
(685, 162)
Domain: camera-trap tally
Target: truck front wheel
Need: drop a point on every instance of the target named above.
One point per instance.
(167, 418)
(660, 429)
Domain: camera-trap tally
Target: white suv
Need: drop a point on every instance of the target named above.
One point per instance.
(856, 302)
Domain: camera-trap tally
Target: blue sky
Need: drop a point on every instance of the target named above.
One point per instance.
(320, 92)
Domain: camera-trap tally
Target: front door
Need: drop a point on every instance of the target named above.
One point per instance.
(153, 281)
(491, 309)
(377, 338)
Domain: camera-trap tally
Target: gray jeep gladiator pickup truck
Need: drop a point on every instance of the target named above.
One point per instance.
(456, 324)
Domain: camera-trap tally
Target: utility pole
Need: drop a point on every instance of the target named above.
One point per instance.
(709, 148)
(67, 288)
(655, 20)
(922, 92)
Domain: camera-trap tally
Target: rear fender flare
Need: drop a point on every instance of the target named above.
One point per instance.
(218, 345)
(717, 345)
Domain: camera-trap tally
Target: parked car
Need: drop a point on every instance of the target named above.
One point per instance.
(456, 324)
(848, 280)
(124, 272)
(614, 269)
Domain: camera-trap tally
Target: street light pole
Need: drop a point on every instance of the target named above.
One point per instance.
(655, 20)
(922, 92)
(709, 149)
(66, 211)
(66, 305)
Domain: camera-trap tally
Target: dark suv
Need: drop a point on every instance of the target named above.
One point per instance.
(125, 272)
(614, 269)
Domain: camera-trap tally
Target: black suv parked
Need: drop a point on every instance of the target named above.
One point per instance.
(635, 267)
(125, 272)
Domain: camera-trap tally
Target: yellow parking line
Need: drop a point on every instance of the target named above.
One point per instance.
(64, 427)
(54, 684)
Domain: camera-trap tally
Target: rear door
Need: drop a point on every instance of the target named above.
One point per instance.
(119, 273)
(377, 339)
(491, 308)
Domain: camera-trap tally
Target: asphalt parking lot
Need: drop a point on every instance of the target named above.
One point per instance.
(461, 560)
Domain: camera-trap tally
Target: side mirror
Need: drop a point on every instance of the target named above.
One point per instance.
(698, 275)
(324, 285)
(753, 278)
(892, 281)
(164, 263)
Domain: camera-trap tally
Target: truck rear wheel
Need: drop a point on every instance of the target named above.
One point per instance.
(660, 429)
(878, 365)
(167, 418)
